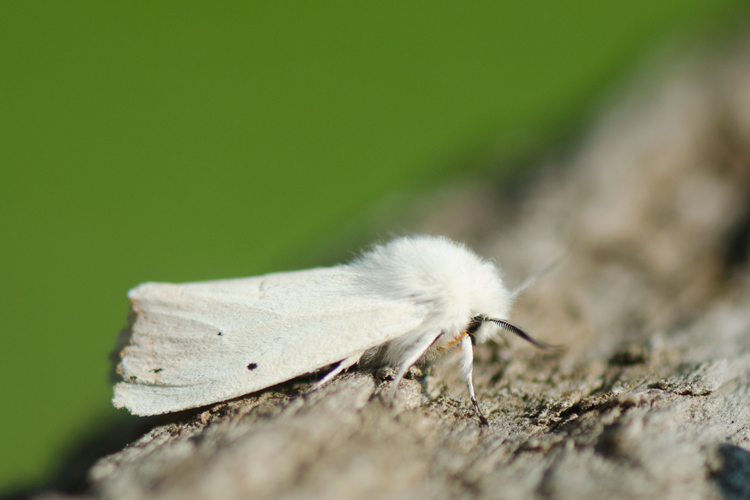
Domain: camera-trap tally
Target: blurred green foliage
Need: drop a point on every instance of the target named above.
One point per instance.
(175, 141)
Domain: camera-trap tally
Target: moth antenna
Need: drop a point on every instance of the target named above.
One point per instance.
(534, 277)
(510, 327)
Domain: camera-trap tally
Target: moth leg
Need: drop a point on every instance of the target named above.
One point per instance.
(343, 365)
(467, 367)
(412, 356)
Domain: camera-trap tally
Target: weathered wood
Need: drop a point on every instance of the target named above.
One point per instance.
(651, 398)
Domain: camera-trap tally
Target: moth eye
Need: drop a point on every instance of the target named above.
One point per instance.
(474, 324)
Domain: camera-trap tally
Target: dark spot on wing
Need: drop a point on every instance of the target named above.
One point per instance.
(219, 334)
(252, 366)
(157, 370)
(132, 378)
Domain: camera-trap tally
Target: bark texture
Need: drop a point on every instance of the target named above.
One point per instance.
(651, 397)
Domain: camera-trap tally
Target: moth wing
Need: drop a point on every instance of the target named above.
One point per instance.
(194, 344)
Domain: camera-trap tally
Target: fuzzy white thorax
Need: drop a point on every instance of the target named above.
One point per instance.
(451, 281)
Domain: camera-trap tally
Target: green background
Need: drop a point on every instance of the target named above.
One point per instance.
(178, 141)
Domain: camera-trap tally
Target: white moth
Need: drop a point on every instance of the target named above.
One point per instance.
(410, 301)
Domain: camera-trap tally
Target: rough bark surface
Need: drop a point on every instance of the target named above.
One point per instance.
(649, 400)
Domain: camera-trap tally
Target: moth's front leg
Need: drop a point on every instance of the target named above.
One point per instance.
(467, 367)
